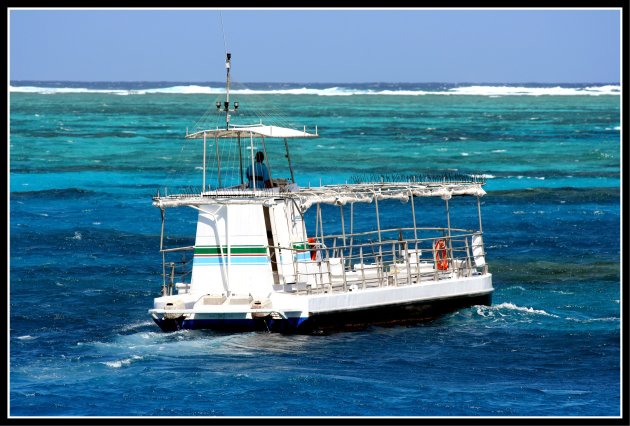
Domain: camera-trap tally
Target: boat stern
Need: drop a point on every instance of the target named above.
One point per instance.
(235, 313)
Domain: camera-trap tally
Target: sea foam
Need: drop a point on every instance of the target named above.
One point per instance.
(489, 311)
(477, 90)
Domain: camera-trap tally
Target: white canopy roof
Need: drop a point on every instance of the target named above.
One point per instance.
(256, 130)
(402, 191)
(331, 194)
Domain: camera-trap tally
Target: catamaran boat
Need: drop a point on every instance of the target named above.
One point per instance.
(256, 265)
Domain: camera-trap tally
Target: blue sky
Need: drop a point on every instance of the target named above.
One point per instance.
(342, 46)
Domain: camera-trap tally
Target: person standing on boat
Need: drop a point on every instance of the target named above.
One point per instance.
(262, 175)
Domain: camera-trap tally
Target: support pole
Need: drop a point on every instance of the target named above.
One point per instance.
(448, 221)
(267, 160)
(343, 226)
(468, 262)
(203, 180)
(164, 291)
(479, 213)
(240, 157)
(378, 220)
(229, 245)
(251, 147)
(343, 272)
(351, 232)
(413, 213)
(394, 268)
(380, 263)
(321, 223)
(316, 220)
(162, 213)
(362, 266)
(407, 262)
(216, 142)
(343, 236)
(163, 255)
(286, 146)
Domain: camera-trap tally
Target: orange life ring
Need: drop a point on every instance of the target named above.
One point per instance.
(441, 258)
(312, 242)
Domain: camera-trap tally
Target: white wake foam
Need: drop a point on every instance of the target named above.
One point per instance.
(136, 325)
(489, 310)
(120, 363)
(26, 337)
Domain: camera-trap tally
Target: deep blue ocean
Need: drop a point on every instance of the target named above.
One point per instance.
(84, 262)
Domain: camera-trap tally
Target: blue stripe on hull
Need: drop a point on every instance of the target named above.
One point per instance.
(299, 257)
(303, 256)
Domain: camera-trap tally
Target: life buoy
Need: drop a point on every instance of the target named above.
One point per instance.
(312, 242)
(441, 258)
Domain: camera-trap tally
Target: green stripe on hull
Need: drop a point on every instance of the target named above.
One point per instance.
(233, 250)
(301, 246)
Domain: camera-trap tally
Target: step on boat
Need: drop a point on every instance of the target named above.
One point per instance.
(256, 267)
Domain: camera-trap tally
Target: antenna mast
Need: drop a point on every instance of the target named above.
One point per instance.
(226, 104)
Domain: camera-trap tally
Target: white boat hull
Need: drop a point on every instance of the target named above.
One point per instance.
(321, 313)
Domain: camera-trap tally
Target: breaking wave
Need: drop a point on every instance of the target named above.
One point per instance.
(474, 90)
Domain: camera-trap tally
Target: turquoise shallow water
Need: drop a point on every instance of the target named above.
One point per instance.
(85, 265)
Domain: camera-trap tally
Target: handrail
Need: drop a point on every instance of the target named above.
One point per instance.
(383, 231)
(177, 249)
(391, 263)
(363, 264)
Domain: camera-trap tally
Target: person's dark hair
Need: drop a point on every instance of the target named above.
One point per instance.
(260, 156)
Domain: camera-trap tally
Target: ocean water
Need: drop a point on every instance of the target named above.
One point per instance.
(85, 159)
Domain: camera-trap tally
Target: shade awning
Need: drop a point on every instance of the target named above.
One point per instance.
(366, 193)
(256, 131)
(331, 194)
